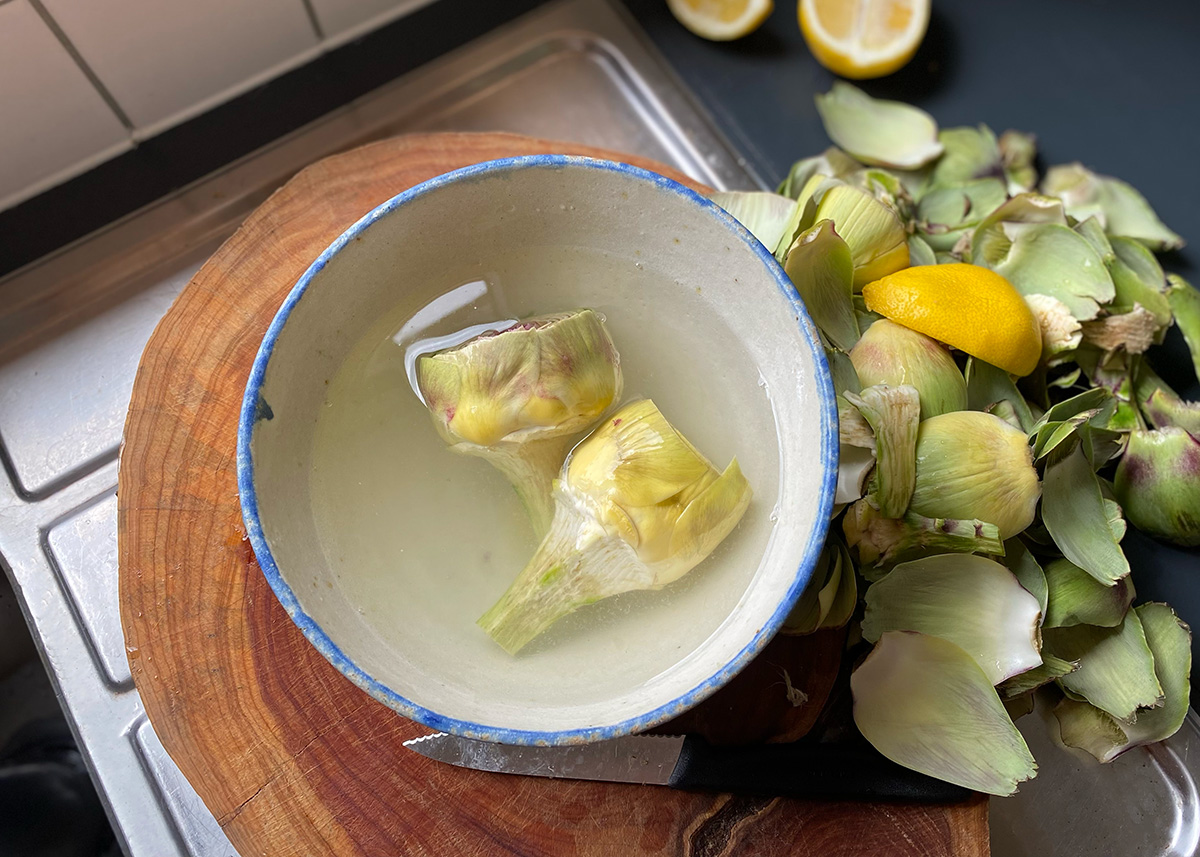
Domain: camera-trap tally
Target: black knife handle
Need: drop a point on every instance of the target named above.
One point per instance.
(803, 770)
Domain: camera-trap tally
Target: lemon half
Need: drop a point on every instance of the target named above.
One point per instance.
(968, 307)
(721, 20)
(863, 38)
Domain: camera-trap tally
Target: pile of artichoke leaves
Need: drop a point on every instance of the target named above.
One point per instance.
(979, 517)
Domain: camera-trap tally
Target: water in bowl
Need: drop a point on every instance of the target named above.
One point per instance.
(423, 541)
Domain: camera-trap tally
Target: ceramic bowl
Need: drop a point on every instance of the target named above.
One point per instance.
(354, 505)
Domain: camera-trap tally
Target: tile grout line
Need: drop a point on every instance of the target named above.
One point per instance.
(314, 20)
(69, 47)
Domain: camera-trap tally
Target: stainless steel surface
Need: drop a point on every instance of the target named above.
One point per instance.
(82, 550)
(72, 328)
(647, 759)
(1145, 802)
(62, 406)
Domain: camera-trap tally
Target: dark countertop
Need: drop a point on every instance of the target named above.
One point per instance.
(1115, 85)
(1109, 83)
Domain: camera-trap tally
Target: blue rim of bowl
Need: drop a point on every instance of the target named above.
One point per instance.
(252, 412)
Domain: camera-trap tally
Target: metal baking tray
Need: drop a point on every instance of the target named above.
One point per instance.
(72, 328)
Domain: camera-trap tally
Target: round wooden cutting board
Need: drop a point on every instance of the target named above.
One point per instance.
(289, 756)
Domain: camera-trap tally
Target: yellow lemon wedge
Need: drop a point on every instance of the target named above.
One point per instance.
(721, 20)
(970, 308)
(863, 38)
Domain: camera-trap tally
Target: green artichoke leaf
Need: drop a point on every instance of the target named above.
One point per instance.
(884, 185)
(1138, 280)
(820, 267)
(946, 212)
(764, 214)
(1084, 417)
(1099, 443)
(1073, 511)
(969, 154)
(975, 466)
(877, 239)
(945, 596)
(832, 162)
(925, 704)
(1185, 303)
(804, 215)
(1050, 259)
(919, 252)
(832, 602)
(1068, 380)
(1074, 597)
(1028, 571)
(1086, 727)
(1124, 211)
(1092, 231)
(845, 379)
(1053, 435)
(894, 355)
(1163, 408)
(877, 132)
(893, 414)
(987, 386)
(1116, 519)
(1096, 402)
(1018, 151)
(991, 243)
(1050, 669)
(1116, 666)
(1090, 729)
(1018, 706)
(1160, 404)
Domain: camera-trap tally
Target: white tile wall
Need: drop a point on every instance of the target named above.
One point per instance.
(53, 123)
(342, 20)
(158, 62)
(166, 60)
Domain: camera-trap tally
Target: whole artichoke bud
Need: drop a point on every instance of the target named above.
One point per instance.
(1158, 484)
(636, 507)
(519, 397)
(891, 354)
(972, 465)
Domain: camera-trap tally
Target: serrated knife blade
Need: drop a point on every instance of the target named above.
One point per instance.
(648, 759)
(801, 770)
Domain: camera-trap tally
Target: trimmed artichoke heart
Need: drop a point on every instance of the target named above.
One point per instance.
(636, 507)
(518, 398)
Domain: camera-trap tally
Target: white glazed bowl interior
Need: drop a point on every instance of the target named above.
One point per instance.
(450, 675)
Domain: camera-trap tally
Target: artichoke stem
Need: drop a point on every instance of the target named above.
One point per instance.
(531, 467)
(576, 564)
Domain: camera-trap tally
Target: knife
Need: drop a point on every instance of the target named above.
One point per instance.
(799, 770)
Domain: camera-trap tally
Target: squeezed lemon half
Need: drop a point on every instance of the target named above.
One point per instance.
(969, 307)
